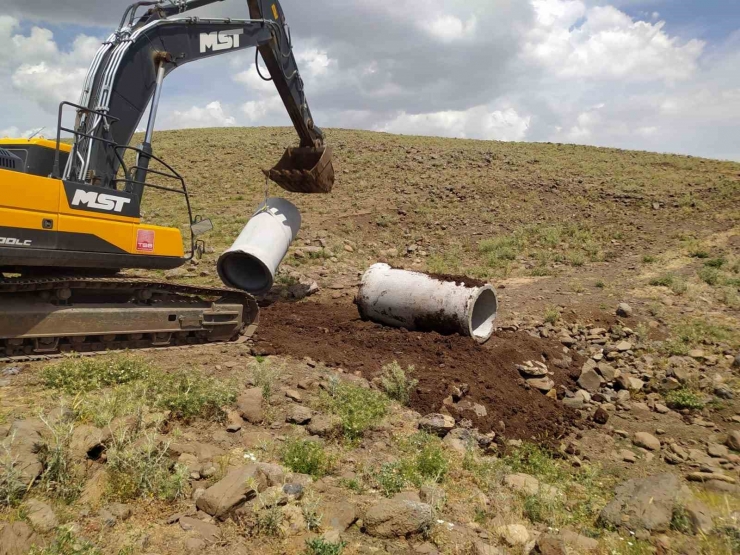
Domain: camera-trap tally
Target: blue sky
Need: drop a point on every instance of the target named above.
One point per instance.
(651, 75)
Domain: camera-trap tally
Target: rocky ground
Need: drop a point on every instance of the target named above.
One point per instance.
(602, 417)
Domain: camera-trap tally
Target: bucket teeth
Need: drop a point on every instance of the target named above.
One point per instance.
(304, 170)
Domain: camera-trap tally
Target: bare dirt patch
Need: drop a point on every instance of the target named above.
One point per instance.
(335, 335)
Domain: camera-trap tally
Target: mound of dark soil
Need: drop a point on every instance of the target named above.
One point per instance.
(336, 336)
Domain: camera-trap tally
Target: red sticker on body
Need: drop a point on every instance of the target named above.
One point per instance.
(145, 240)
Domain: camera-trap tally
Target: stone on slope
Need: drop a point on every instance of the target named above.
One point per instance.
(41, 516)
(439, 424)
(397, 518)
(249, 405)
(513, 534)
(17, 538)
(733, 440)
(24, 439)
(299, 415)
(644, 503)
(239, 485)
(590, 380)
(209, 532)
(88, 442)
(646, 441)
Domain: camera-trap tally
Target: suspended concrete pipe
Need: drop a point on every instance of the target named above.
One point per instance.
(416, 301)
(251, 262)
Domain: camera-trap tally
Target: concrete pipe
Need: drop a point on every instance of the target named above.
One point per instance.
(251, 262)
(416, 301)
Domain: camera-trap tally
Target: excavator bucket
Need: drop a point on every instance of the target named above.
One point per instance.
(304, 170)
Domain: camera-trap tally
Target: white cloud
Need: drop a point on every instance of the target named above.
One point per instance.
(38, 69)
(449, 28)
(256, 110)
(607, 44)
(212, 115)
(478, 123)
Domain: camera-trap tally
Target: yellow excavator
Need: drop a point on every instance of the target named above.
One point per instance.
(70, 214)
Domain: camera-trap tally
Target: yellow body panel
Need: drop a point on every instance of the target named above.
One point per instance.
(46, 143)
(29, 192)
(26, 200)
(26, 219)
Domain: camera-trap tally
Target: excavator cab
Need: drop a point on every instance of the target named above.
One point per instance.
(304, 170)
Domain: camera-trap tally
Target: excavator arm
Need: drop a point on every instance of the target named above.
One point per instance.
(127, 75)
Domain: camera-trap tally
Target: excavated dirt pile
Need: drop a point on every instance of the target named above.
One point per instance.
(336, 336)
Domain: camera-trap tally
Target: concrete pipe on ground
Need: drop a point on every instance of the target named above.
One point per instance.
(252, 261)
(416, 301)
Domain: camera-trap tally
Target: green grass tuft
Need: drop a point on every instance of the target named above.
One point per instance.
(396, 384)
(306, 457)
(684, 399)
(82, 374)
(357, 408)
(319, 546)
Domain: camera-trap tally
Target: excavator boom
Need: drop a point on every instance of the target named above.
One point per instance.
(129, 68)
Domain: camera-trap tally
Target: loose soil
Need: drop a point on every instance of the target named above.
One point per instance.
(335, 335)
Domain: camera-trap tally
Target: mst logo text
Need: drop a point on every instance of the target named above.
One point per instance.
(99, 201)
(220, 40)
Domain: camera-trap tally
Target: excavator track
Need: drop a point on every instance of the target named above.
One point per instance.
(49, 317)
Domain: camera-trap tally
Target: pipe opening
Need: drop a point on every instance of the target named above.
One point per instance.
(246, 272)
(484, 313)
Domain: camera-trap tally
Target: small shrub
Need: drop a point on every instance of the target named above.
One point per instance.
(710, 276)
(358, 409)
(666, 280)
(319, 546)
(533, 459)
(699, 253)
(189, 394)
(648, 259)
(310, 509)
(59, 477)
(600, 284)
(264, 375)
(680, 520)
(306, 457)
(537, 509)
(268, 521)
(82, 374)
(396, 384)
(684, 399)
(552, 315)
(428, 460)
(65, 543)
(139, 466)
(715, 262)
(576, 259)
(12, 488)
(390, 478)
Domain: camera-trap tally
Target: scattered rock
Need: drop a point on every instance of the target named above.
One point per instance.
(94, 489)
(481, 548)
(208, 532)
(590, 380)
(718, 451)
(543, 384)
(700, 517)
(646, 441)
(513, 534)
(580, 543)
(17, 538)
(624, 310)
(25, 438)
(548, 544)
(390, 518)
(322, 425)
(608, 372)
(644, 503)
(623, 346)
(239, 485)
(439, 424)
(733, 440)
(249, 405)
(532, 369)
(627, 456)
(299, 415)
(294, 395)
(601, 416)
(708, 476)
(338, 516)
(41, 516)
